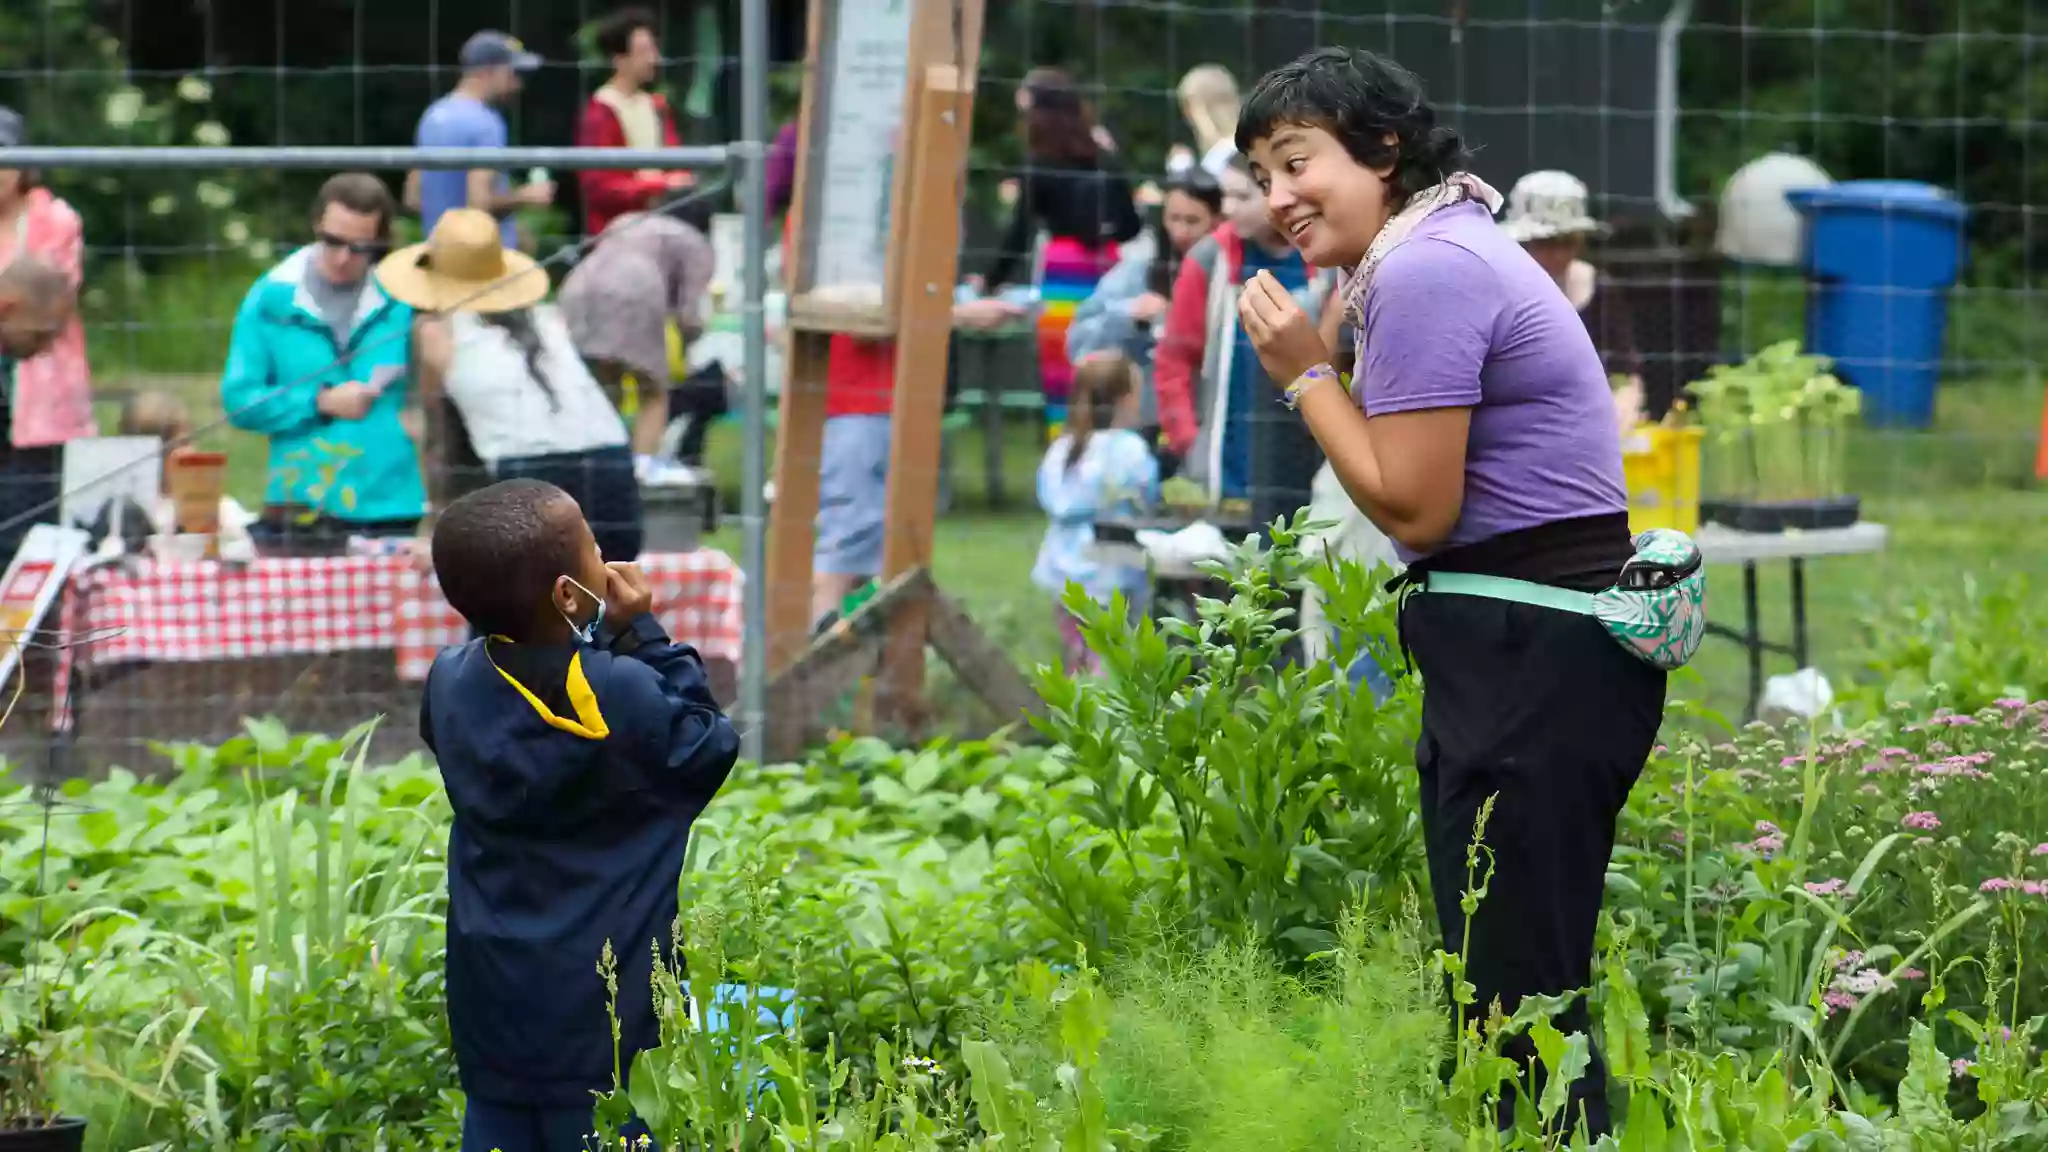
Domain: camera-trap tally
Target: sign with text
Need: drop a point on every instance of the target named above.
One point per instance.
(857, 89)
(32, 583)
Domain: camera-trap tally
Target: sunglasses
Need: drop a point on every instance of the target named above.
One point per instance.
(352, 247)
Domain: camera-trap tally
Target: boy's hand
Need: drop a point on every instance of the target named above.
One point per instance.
(627, 595)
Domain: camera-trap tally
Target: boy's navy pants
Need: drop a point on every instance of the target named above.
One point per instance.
(488, 1126)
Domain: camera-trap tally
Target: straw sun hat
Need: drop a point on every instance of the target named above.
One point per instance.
(1547, 205)
(464, 266)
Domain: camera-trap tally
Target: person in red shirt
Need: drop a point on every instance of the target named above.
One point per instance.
(624, 114)
(853, 463)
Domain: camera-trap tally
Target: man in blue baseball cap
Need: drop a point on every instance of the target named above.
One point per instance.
(493, 65)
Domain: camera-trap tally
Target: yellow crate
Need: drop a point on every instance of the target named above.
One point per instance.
(1662, 468)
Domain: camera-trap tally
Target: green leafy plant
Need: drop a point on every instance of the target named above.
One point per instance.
(1774, 426)
(1227, 786)
(31, 1044)
(1951, 645)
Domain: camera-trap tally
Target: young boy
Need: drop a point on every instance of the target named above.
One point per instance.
(164, 417)
(578, 743)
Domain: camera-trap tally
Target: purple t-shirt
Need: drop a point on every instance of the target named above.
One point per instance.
(1459, 316)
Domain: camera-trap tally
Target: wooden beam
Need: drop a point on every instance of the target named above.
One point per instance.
(852, 650)
(792, 520)
(979, 663)
(834, 663)
(940, 123)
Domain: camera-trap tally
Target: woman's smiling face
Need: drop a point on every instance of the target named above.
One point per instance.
(1321, 199)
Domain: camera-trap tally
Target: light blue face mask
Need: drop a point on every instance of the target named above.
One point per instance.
(585, 632)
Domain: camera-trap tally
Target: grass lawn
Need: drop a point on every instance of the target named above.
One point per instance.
(1958, 499)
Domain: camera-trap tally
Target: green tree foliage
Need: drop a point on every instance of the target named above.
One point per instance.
(1949, 93)
(69, 76)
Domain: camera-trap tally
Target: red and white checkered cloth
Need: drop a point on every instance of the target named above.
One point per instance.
(698, 598)
(157, 611)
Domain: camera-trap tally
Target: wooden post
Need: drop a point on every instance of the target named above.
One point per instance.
(941, 120)
(877, 47)
(847, 276)
(799, 440)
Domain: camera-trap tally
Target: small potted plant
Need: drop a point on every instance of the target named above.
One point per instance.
(1775, 436)
(29, 1121)
(29, 1036)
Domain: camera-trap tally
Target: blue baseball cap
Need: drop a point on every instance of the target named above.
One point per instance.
(493, 49)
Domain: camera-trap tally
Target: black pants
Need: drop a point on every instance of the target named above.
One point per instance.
(602, 482)
(1542, 710)
(698, 401)
(30, 478)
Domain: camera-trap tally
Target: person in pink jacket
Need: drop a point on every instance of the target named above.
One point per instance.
(48, 402)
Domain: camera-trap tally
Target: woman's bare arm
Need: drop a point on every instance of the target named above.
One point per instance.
(1405, 471)
(433, 348)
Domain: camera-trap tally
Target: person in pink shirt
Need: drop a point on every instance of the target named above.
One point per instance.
(48, 401)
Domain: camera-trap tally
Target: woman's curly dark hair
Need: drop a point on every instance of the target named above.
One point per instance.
(1361, 99)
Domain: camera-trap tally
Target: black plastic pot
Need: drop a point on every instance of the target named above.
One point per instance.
(60, 1135)
(1782, 515)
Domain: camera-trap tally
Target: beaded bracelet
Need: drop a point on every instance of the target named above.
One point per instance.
(1302, 383)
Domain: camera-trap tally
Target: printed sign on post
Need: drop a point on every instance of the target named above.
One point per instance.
(855, 130)
(33, 581)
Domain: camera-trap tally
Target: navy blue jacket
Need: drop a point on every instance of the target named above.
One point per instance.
(575, 773)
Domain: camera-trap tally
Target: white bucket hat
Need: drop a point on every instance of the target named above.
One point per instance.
(1548, 204)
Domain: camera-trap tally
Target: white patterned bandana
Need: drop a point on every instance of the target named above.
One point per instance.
(1454, 191)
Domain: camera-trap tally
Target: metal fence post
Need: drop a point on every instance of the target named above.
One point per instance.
(753, 156)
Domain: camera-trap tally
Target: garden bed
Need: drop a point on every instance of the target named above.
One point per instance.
(1192, 925)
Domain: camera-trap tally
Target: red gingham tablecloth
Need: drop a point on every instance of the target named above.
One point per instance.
(697, 597)
(156, 611)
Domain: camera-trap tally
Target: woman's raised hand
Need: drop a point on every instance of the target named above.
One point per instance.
(1287, 341)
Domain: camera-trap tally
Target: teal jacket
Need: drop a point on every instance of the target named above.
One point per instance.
(281, 356)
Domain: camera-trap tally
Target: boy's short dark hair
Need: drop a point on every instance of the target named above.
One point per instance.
(1360, 98)
(615, 35)
(498, 552)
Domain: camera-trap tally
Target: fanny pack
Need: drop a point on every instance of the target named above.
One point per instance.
(1657, 610)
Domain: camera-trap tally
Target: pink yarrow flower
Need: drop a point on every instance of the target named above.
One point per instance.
(1995, 884)
(1921, 821)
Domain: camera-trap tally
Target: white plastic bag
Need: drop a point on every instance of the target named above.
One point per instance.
(1803, 696)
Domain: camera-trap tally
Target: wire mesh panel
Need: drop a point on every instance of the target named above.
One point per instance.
(1651, 105)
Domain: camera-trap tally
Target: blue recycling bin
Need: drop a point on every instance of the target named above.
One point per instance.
(1882, 256)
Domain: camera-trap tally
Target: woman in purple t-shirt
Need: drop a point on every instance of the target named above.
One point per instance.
(1478, 433)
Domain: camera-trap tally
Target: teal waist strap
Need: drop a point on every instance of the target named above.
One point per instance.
(1518, 591)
